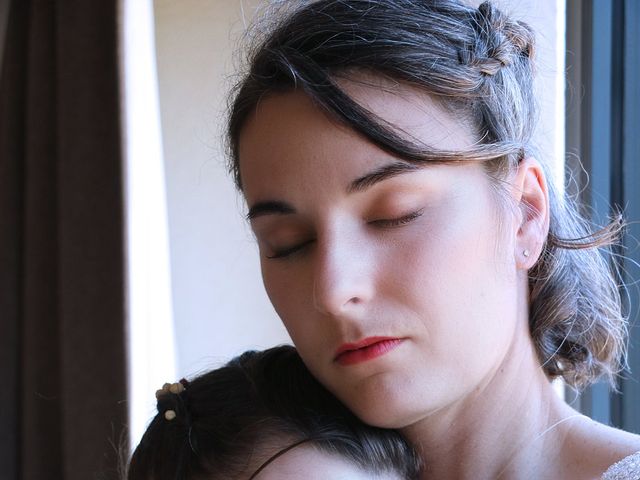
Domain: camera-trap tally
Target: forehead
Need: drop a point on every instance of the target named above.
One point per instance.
(409, 110)
(290, 142)
(311, 463)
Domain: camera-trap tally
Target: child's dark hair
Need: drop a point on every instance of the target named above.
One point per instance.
(229, 420)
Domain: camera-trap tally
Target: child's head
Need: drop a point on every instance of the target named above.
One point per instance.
(264, 416)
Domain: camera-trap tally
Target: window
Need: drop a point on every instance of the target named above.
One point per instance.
(603, 130)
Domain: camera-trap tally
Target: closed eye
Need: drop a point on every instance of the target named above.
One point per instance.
(397, 222)
(285, 252)
(384, 223)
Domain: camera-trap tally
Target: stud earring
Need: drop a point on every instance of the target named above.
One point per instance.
(526, 253)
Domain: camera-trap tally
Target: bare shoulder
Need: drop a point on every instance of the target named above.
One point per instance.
(595, 447)
(611, 441)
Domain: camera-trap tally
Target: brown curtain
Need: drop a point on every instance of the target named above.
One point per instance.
(62, 330)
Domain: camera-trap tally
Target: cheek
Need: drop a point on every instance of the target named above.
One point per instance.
(450, 253)
(460, 280)
(287, 289)
(279, 287)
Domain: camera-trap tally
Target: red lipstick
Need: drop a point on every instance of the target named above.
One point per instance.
(367, 349)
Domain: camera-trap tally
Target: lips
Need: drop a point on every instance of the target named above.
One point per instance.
(364, 350)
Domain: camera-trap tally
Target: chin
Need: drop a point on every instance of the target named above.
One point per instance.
(387, 406)
(390, 416)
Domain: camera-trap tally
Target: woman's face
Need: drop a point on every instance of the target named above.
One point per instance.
(394, 282)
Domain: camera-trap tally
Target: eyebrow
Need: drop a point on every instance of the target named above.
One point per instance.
(275, 207)
(270, 208)
(378, 175)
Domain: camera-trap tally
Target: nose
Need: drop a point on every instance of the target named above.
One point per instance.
(343, 281)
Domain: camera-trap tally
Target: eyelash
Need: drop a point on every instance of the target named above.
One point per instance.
(384, 223)
(289, 251)
(397, 222)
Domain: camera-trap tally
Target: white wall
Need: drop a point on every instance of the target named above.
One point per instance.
(547, 18)
(220, 308)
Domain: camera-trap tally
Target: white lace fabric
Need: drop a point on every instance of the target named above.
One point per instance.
(626, 469)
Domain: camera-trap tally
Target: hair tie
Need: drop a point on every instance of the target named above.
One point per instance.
(171, 389)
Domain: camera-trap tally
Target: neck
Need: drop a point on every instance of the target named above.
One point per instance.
(502, 429)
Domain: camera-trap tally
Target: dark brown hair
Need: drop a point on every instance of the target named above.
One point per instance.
(477, 62)
(259, 403)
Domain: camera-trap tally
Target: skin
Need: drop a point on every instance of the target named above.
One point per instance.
(429, 257)
(312, 464)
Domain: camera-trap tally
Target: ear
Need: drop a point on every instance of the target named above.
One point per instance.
(529, 187)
